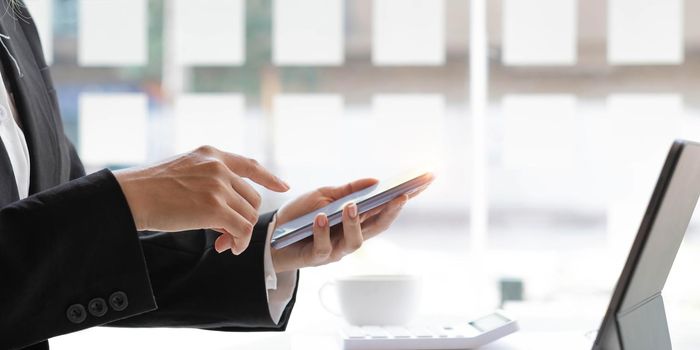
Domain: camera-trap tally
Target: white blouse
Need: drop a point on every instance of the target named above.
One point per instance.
(14, 141)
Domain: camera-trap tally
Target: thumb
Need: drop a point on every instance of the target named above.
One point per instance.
(351, 187)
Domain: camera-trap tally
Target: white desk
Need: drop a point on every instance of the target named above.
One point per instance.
(517, 341)
(313, 329)
(109, 338)
(317, 330)
(542, 341)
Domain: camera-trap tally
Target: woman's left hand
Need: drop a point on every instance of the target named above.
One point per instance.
(332, 244)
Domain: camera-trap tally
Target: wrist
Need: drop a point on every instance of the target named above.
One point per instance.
(279, 258)
(272, 225)
(129, 185)
(277, 263)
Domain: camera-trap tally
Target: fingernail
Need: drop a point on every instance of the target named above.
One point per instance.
(284, 183)
(321, 220)
(234, 244)
(352, 210)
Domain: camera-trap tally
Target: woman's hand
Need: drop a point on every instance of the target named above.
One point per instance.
(332, 244)
(198, 190)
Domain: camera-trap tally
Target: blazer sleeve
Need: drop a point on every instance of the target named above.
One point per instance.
(197, 287)
(70, 258)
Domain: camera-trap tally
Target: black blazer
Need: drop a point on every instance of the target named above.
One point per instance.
(70, 255)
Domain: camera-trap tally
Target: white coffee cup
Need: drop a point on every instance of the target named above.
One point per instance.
(374, 299)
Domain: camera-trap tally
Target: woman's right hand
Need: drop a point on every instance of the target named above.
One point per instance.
(203, 189)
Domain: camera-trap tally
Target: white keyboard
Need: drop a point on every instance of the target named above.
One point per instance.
(469, 335)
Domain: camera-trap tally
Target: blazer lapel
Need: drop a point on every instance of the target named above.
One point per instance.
(33, 104)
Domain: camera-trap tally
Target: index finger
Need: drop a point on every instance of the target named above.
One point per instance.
(251, 169)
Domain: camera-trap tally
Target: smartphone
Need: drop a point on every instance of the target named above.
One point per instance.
(366, 200)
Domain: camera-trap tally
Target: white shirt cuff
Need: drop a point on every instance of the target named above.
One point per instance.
(280, 286)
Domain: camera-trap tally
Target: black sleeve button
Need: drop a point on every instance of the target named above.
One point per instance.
(97, 307)
(76, 313)
(118, 301)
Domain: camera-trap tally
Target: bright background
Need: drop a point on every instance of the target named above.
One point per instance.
(547, 122)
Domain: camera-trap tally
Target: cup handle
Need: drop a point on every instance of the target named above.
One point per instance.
(321, 297)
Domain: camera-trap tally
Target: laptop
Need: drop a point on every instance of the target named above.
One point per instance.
(636, 318)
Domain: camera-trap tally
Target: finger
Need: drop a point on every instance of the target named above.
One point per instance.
(246, 191)
(368, 214)
(322, 239)
(236, 202)
(352, 231)
(251, 169)
(417, 191)
(223, 242)
(381, 222)
(428, 179)
(344, 190)
(238, 228)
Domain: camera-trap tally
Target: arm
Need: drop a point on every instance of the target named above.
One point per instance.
(76, 245)
(197, 287)
(65, 247)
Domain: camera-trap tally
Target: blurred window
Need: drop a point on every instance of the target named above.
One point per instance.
(408, 32)
(113, 128)
(104, 40)
(645, 31)
(208, 32)
(539, 32)
(581, 102)
(308, 32)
